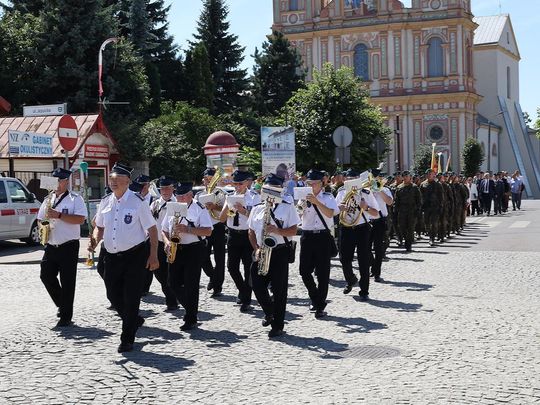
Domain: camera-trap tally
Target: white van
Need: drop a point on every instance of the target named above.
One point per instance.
(18, 212)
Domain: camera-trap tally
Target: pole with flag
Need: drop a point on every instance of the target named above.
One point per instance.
(448, 162)
(433, 158)
(100, 63)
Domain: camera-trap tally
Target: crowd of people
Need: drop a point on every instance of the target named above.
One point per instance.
(251, 235)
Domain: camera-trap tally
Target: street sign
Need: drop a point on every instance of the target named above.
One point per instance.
(41, 110)
(68, 133)
(342, 136)
(29, 144)
(343, 156)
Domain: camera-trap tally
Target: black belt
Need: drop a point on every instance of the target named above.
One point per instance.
(130, 250)
(315, 231)
(238, 231)
(62, 244)
(279, 246)
(199, 242)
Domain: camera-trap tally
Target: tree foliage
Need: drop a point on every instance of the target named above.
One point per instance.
(197, 73)
(277, 74)
(224, 53)
(422, 158)
(335, 97)
(472, 157)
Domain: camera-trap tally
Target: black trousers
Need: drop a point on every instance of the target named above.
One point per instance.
(516, 201)
(475, 208)
(149, 276)
(378, 232)
(61, 261)
(216, 242)
(185, 278)
(356, 239)
(279, 277)
(240, 250)
(124, 276)
(498, 204)
(162, 275)
(486, 202)
(315, 257)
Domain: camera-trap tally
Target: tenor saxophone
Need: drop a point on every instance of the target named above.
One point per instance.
(269, 242)
(175, 240)
(45, 223)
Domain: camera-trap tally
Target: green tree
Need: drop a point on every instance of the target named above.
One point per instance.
(537, 123)
(174, 141)
(224, 53)
(251, 157)
(277, 74)
(422, 158)
(333, 98)
(24, 6)
(472, 157)
(200, 91)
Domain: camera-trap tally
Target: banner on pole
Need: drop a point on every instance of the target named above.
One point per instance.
(278, 151)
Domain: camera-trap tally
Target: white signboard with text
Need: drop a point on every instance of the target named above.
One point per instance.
(42, 110)
(29, 144)
(278, 151)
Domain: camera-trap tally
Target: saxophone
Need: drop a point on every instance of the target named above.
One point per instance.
(45, 223)
(175, 240)
(269, 242)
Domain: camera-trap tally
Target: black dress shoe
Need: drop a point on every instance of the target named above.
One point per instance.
(312, 308)
(210, 286)
(320, 314)
(171, 308)
(245, 308)
(216, 293)
(378, 279)
(125, 347)
(267, 321)
(364, 297)
(431, 243)
(62, 323)
(348, 288)
(140, 321)
(58, 313)
(275, 333)
(239, 301)
(188, 326)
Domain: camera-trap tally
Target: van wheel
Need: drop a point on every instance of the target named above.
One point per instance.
(33, 239)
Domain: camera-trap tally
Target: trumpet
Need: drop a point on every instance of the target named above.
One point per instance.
(175, 240)
(45, 223)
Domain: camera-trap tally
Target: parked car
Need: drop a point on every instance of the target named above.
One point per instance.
(18, 212)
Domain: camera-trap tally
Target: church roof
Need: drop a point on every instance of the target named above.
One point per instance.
(490, 29)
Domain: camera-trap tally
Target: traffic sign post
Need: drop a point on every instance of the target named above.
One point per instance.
(342, 138)
(68, 134)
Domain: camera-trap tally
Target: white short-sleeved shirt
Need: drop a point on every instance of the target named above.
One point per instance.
(159, 211)
(61, 231)
(251, 199)
(367, 196)
(126, 221)
(382, 205)
(285, 213)
(310, 218)
(197, 216)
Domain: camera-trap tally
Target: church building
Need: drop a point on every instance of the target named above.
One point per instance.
(420, 64)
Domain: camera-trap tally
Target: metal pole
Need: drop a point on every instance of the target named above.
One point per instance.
(398, 144)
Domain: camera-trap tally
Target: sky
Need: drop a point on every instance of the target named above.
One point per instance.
(251, 20)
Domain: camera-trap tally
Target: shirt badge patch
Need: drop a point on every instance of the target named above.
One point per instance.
(65, 211)
(128, 218)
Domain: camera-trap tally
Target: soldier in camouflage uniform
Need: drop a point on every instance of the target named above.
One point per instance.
(464, 194)
(407, 204)
(389, 218)
(457, 203)
(444, 224)
(420, 223)
(432, 204)
(394, 230)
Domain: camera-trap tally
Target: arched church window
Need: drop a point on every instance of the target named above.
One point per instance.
(435, 58)
(361, 62)
(293, 5)
(436, 133)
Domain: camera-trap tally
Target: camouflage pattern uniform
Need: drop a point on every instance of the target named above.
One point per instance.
(448, 210)
(432, 197)
(407, 205)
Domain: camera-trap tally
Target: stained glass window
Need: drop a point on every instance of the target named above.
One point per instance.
(361, 62)
(435, 58)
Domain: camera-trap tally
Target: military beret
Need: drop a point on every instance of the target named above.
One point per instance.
(314, 174)
(403, 173)
(121, 169)
(428, 171)
(166, 181)
(398, 174)
(60, 173)
(183, 187)
(274, 180)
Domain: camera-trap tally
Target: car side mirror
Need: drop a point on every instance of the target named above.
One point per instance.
(31, 198)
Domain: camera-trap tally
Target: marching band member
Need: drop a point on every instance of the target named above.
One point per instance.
(159, 211)
(215, 243)
(123, 222)
(238, 246)
(65, 211)
(357, 237)
(315, 243)
(282, 224)
(378, 233)
(185, 271)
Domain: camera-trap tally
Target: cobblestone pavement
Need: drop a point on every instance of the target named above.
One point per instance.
(447, 326)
